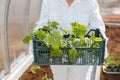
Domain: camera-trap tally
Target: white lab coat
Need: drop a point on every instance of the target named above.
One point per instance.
(83, 11)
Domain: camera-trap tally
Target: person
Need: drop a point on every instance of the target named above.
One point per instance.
(65, 12)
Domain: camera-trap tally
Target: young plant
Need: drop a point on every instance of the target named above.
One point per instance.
(76, 42)
(64, 31)
(54, 40)
(34, 68)
(72, 55)
(78, 30)
(112, 61)
(45, 77)
(27, 38)
(95, 41)
(80, 42)
(53, 25)
(41, 33)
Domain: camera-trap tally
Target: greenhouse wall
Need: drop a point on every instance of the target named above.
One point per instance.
(16, 29)
(110, 7)
(26, 13)
(1, 52)
(4, 50)
(16, 18)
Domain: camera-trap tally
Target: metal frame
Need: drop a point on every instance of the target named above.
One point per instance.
(7, 56)
(4, 25)
(27, 26)
(4, 29)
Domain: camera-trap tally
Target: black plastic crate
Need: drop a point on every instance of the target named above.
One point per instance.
(89, 55)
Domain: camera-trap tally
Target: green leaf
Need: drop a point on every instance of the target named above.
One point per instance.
(76, 42)
(78, 30)
(73, 54)
(81, 51)
(54, 39)
(98, 39)
(64, 30)
(84, 42)
(32, 28)
(55, 52)
(112, 61)
(95, 38)
(81, 42)
(63, 44)
(97, 44)
(53, 25)
(41, 34)
(46, 28)
(45, 77)
(27, 39)
(92, 35)
(33, 71)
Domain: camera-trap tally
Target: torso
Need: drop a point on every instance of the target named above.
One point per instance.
(77, 12)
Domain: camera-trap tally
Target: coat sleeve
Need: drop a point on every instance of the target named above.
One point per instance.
(96, 20)
(44, 14)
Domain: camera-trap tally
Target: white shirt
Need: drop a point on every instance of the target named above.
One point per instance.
(83, 11)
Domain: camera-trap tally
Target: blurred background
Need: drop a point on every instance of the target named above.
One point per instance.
(16, 17)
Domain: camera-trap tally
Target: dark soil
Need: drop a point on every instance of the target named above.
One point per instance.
(113, 47)
(114, 40)
(39, 75)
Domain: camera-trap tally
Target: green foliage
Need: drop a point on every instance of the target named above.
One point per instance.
(53, 25)
(80, 42)
(95, 38)
(112, 61)
(34, 68)
(97, 44)
(40, 34)
(64, 43)
(84, 42)
(27, 39)
(78, 30)
(76, 42)
(81, 52)
(46, 29)
(54, 39)
(55, 52)
(73, 54)
(32, 28)
(45, 77)
(64, 30)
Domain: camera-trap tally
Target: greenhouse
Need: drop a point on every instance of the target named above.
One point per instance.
(21, 55)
